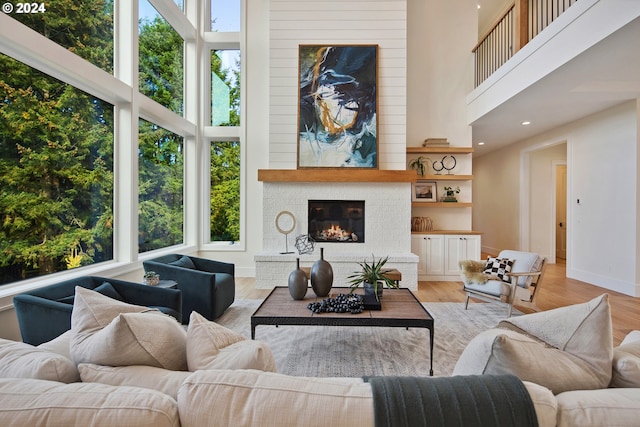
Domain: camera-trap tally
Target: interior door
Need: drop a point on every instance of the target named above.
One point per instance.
(561, 211)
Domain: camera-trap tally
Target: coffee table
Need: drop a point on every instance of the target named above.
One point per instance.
(400, 308)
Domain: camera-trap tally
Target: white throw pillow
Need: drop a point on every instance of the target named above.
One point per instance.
(59, 345)
(626, 362)
(21, 360)
(568, 348)
(160, 379)
(212, 346)
(110, 332)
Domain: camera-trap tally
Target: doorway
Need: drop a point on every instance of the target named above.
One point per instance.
(561, 212)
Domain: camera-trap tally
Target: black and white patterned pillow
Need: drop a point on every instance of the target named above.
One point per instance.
(499, 267)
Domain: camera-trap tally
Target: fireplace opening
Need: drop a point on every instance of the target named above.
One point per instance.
(339, 221)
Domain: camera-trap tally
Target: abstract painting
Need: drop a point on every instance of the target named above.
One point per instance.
(337, 116)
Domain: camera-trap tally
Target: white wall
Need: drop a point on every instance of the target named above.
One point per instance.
(440, 69)
(294, 22)
(602, 234)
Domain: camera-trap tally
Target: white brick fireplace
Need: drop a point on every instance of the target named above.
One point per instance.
(387, 230)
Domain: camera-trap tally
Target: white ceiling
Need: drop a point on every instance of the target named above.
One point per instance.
(603, 76)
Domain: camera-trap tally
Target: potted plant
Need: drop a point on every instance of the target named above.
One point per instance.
(451, 194)
(418, 165)
(151, 278)
(372, 277)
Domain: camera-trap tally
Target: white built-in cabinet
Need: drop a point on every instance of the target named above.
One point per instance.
(439, 254)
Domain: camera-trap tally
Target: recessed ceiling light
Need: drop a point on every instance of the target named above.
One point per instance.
(525, 123)
(481, 143)
(478, 6)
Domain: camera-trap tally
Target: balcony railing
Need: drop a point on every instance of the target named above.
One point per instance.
(521, 22)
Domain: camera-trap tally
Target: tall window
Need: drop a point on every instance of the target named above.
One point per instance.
(226, 116)
(56, 175)
(161, 60)
(225, 191)
(160, 187)
(83, 27)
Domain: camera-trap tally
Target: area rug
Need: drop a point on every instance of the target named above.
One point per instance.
(328, 351)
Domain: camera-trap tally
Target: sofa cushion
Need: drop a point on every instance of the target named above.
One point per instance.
(626, 362)
(184, 261)
(544, 403)
(38, 403)
(164, 380)
(568, 348)
(108, 290)
(21, 360)
(59, 345)
(249, 397)
(498, 267)
(605, 407)
(212, 346)
(110, 332)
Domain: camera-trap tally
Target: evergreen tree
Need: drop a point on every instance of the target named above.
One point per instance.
(56, 150)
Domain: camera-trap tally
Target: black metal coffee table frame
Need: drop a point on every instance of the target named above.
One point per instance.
(400, 308)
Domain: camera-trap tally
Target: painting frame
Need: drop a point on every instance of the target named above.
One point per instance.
(337, 106)
(424, 191)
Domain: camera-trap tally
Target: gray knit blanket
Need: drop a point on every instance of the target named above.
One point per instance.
(474, 400)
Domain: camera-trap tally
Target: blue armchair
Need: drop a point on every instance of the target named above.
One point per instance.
(45, 313)
(208, 287)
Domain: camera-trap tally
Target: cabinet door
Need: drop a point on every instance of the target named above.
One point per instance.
(419, 247)
(434, 251)
(430, 251)
(458, 248)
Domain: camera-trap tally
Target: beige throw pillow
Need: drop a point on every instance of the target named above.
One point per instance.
(249, 397)
(160, 379)
(28, 402)
(568, 348)
(212, 346)
(113, 333)
(626, 362)
(21, 360)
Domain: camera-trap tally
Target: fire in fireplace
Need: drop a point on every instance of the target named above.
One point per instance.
(339, 221)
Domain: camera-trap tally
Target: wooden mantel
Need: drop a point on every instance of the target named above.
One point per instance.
(335, 175)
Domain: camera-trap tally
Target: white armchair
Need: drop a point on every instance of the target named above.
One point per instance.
(509, 277)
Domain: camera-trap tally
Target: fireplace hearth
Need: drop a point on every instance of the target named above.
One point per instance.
(336, 221)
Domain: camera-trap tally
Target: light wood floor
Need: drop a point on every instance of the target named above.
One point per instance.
(555, 291)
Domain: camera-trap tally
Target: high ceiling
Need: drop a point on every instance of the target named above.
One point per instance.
(605, 75)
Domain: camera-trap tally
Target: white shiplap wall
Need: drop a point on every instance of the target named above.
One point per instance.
(295, 22)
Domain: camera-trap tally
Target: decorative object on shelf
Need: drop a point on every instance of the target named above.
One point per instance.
(435, 142)
(451, 194)
(285, 223)
(337, 111)
(444, 164)
(437, 166)
(372, 276)
(418, 165)
(421, 223)
(151, 278)
(343, 303)
(321, 276)
(449, 165)
(424, 191)
(305, 244)
(297, 282)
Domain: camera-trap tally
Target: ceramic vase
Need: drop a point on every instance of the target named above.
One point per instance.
(297, 282)
(321, 276)
(369, 290)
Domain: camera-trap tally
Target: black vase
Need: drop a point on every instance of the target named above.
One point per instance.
(369, 290)
(321, 276)
(297, 282)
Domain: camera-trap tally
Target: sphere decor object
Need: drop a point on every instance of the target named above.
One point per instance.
(305, 244)
(297, 282)
(321, 276)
